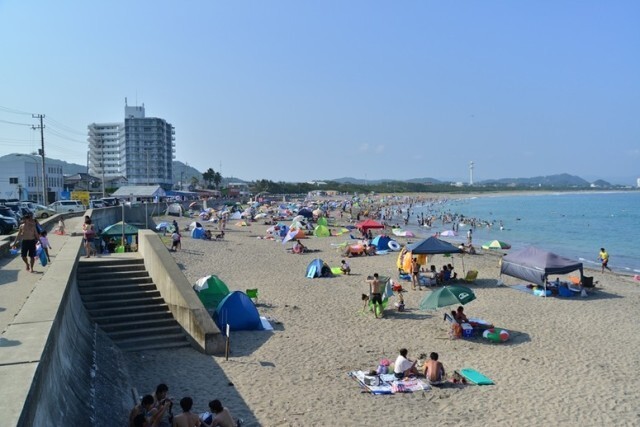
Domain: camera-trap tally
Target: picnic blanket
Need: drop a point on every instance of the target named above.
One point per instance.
(389, 384)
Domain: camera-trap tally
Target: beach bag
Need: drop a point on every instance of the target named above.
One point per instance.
(39, 228)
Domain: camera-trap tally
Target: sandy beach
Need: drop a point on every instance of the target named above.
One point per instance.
(568, 362)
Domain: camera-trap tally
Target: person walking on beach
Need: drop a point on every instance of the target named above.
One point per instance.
(29, 235)
(415, 273)
(376, 294)
(469, 236)
(604, 259)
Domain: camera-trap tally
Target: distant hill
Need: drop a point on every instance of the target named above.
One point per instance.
(350, 180)
(561, 180)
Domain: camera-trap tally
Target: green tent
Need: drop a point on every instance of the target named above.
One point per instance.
(321, 231)
(115, 230)
(211, 290)
(322, 221)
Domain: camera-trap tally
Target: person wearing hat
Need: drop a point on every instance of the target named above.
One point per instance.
(28, 234)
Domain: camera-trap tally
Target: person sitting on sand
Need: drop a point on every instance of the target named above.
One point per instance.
(345, 268)
(460, 316)
(432, 276)
(443, 275)
(471, 250)
(452, 274)
(186, 419)
(370, 250)
(299, 248)
(404, 367)
(434, 370)
(145, 415)
(222, 416)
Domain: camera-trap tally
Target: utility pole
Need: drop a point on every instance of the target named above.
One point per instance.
(44, 174)
(148, 177)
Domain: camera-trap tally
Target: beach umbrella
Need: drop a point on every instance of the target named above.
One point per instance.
(117, 229)
(446, 296)
(193, 204)
(448, 233)
(496, 244)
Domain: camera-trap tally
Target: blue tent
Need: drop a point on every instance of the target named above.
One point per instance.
(381, 242)
(197, 233)
(318, 268)
(306, 212)
(238, 311)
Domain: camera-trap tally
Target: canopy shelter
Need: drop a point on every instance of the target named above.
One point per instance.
(534, 265)
(430, 246)
(367, 225)
(116, 230)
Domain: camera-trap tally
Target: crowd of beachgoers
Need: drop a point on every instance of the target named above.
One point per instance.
(298, 374)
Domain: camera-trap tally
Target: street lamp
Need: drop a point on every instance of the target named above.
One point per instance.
(35, 160)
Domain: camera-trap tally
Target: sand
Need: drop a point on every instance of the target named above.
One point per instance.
(569, 361)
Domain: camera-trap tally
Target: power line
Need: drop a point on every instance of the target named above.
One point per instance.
(14, 111)
(14, 123)
(64, 128)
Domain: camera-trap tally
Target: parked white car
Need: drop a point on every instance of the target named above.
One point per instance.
(40, 211)
(67, 206)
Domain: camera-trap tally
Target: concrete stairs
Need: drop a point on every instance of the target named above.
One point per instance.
(122, 299)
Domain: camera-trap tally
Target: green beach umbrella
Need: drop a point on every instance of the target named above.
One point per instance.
(445, 296)
(496, 244)
(115, 230)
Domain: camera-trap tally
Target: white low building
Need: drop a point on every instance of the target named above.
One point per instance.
(21, 178)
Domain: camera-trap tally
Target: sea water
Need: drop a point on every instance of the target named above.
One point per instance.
(573, 225)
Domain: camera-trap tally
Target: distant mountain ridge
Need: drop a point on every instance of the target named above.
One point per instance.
(559, 180)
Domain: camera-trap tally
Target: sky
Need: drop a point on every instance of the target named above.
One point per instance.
(318, 90)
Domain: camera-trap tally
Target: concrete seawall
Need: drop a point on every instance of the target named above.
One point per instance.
(61, 369)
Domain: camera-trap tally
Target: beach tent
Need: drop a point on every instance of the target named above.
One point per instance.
(239, 312)
(534, 265)
(236, 215)
(174, 209)
(365, 226)
(321, 231)
(197, 233)
(211, 290)
(306, 212)
(318, 268)
(322, 221)
(381, 242)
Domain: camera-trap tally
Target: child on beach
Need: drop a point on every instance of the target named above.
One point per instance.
(44, 242)
(60, 228)
(345, 268)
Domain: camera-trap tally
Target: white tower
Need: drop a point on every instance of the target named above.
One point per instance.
(471, 172)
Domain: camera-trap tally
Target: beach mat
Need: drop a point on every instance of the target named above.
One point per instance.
(475, 377)
(336, 270)
(389, 384)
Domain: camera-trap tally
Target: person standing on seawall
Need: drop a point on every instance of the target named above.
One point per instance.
(604, 259)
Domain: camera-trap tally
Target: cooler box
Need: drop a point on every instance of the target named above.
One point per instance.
(467, 330)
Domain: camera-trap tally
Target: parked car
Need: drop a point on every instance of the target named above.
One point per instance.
(95, 204)
(17, 210)
(9, 213)
(7, 225)
(40, 211)
(67, 206)
(110, 201)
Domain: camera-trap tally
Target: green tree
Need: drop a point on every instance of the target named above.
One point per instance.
(208, 177)
(194, 181)
(217, 179)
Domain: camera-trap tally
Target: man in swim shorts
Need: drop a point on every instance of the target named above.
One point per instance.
(375, 289)
(29, 235)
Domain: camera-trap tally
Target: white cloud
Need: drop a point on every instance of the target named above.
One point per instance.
(364, 147)
(379, 149)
